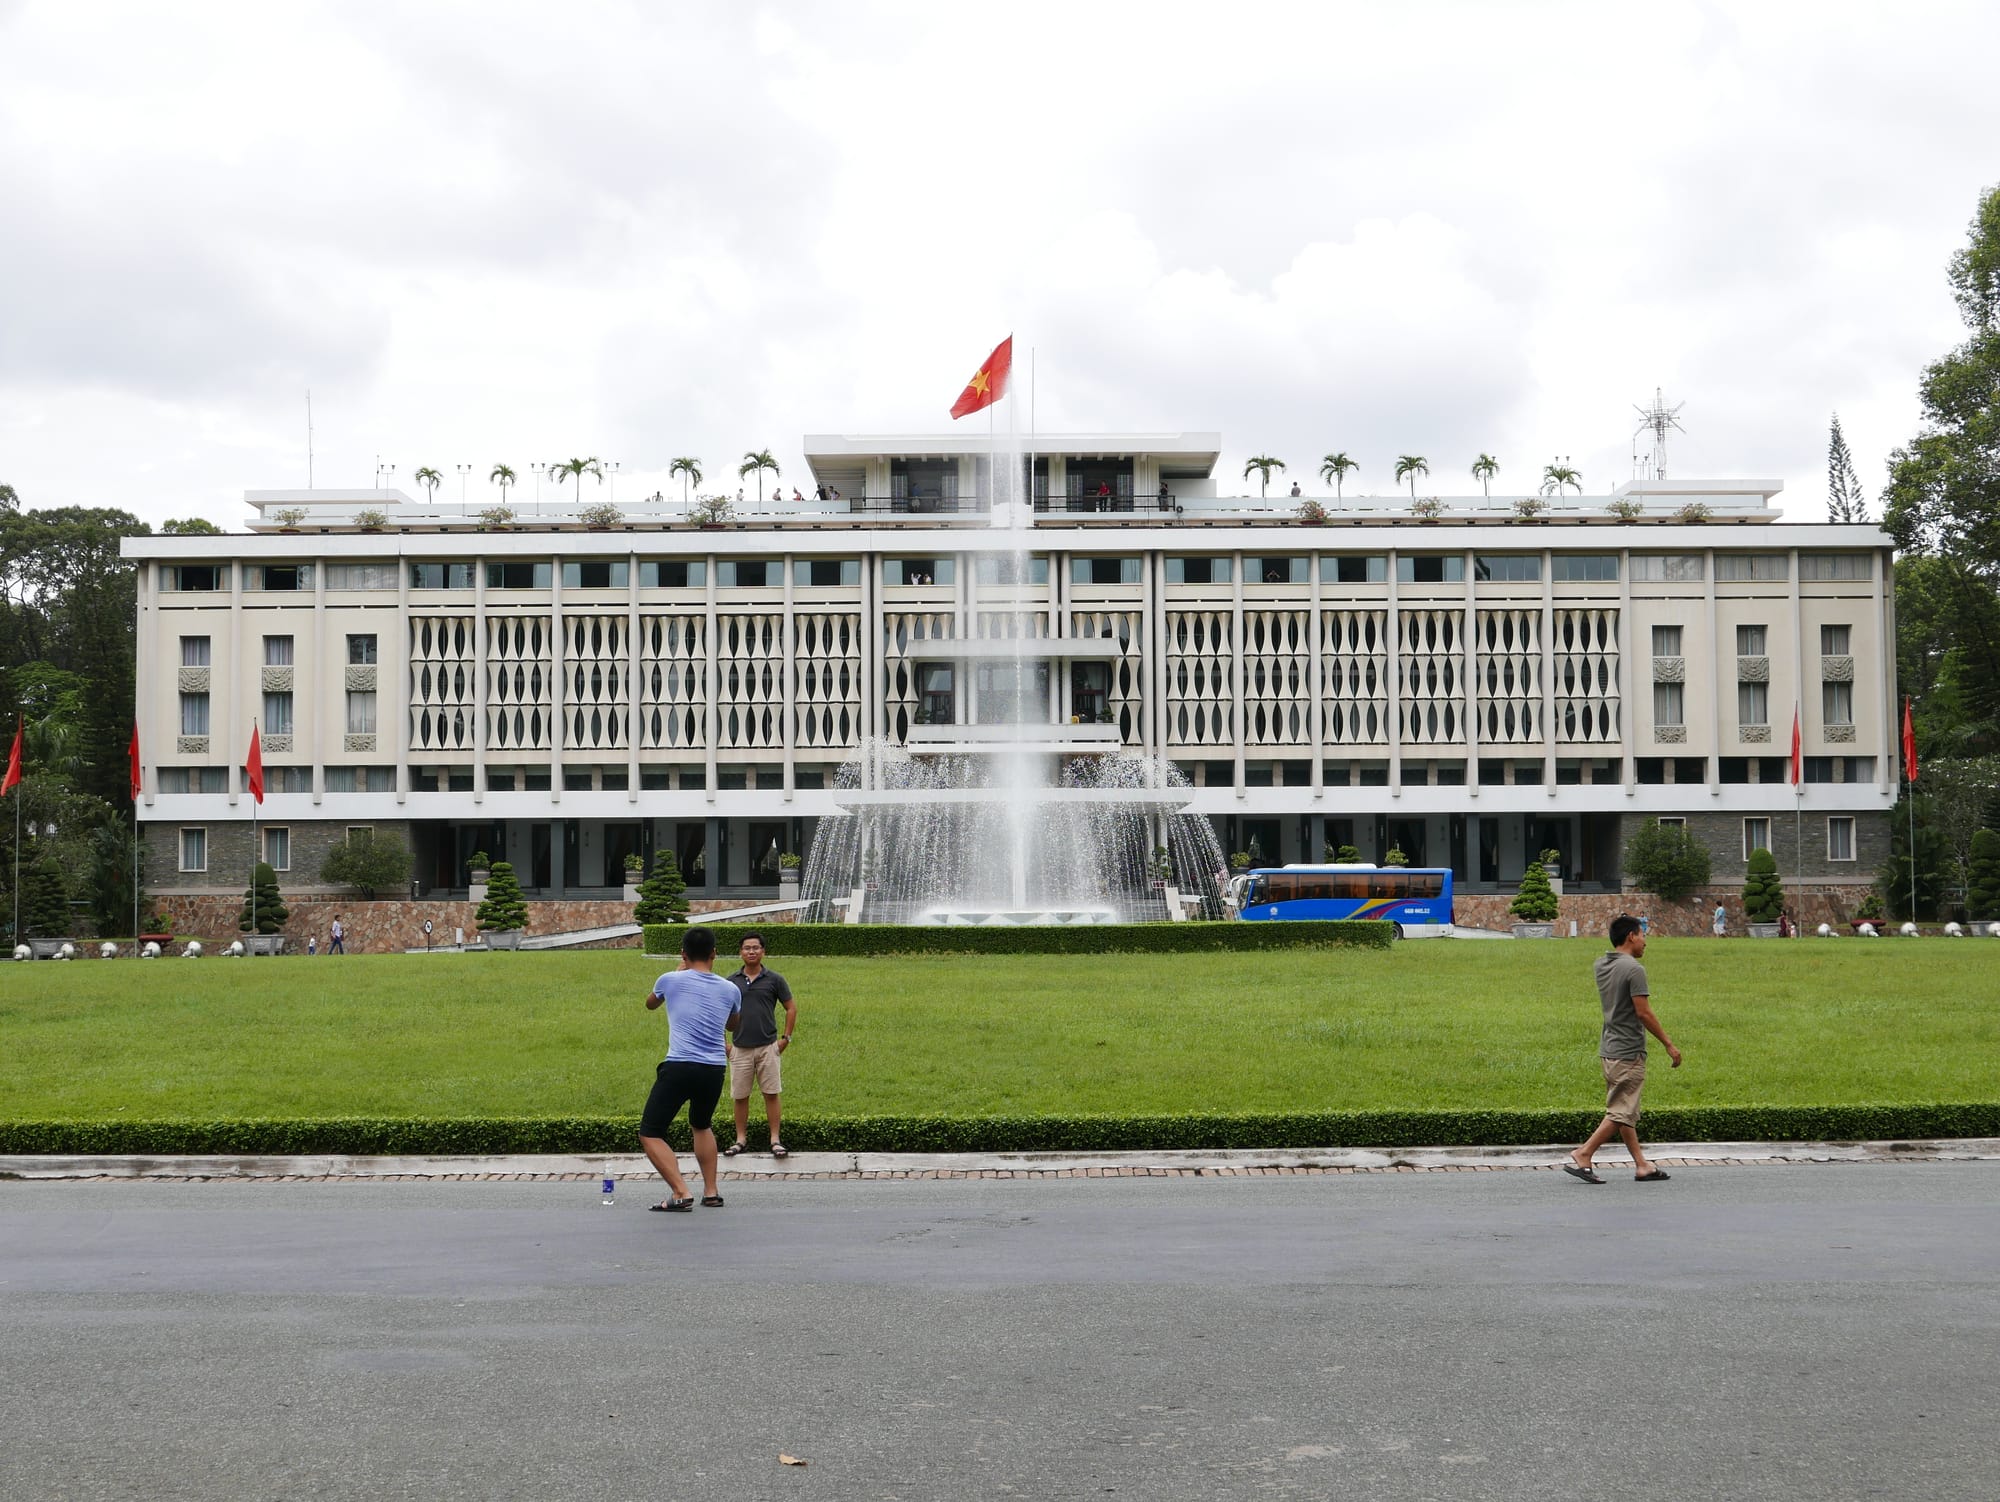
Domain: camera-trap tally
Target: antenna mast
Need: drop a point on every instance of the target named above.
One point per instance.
(1659, 420)
(309, 438)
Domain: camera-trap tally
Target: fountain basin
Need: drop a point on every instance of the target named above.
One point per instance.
(850, 799)
(998, 917)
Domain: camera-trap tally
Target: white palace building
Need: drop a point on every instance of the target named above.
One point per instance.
(1471, 688)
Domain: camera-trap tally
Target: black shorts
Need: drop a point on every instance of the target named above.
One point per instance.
(676, 1084)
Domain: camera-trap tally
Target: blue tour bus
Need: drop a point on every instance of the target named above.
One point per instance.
(1417, 899)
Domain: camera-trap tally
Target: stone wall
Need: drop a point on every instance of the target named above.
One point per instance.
(1811, 904)
(1722, 835)
(229, 853)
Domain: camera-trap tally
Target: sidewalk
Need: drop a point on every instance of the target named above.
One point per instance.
(864, 1166)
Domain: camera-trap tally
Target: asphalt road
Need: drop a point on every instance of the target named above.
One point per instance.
(1779, 1332)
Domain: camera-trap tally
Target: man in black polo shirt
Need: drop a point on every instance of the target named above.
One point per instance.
(758, 1045)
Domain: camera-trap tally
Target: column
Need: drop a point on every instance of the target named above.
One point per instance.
(1628, 676)
(146, 650)
(1236, 666)
(222, 706)
(1888, 746)
(633, 692)
(1316, 699)
(559, 657)
(479, 672)
(1715, 675)
(711, 841)
(787, 719)
(1392, 647)
(1469, 640)
(1549, 727)
(708, 685)
(330, 668)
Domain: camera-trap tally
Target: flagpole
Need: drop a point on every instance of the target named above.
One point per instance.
(18, 800)
(1909, 795)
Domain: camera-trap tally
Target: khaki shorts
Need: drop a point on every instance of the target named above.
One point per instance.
(1624, 1079)
(753, 1066)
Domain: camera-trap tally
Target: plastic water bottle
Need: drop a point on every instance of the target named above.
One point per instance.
(610, 1186)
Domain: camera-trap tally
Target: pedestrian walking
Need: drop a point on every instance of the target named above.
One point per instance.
(1721, 924)
(1628, 1017)
(757, 1044)
(336, 937)
(701, 1008)
(312, 944)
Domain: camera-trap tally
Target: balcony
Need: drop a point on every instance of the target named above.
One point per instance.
(985, 740)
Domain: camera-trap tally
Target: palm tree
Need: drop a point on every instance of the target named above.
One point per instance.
(1336, 467)
(1484, 468)
(690, 472)
(576, 469)
(1263, 464)
(1410, 466)
(503, 477)
(430, 479)
(1556, 476)
(760, 461)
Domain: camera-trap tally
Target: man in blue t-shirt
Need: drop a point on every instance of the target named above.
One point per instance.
(701, 1008)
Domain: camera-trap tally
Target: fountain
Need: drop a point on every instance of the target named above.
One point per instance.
(1016, 819)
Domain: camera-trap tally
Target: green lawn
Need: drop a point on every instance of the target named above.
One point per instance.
(1421, 1026)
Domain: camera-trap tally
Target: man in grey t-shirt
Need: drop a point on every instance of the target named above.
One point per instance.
(1628, 1017)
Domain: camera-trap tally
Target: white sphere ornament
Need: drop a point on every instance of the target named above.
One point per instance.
(1826, 930)
(151, 951)
(193, 950)
(68, 951)
(1953, 931)
(22, 952)
(1993, 930)
(236, 949)
(1909, 930)
(107, 950)
(1867, 931)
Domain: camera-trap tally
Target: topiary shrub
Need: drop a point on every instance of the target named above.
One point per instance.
(1536, 901)
(1982, 893)
(270, 902)
(369, 863)
(1395, 857)
(663, 895)
(1347, 855)
(504, 908)
(1666, 860)
(1763, 891)
(45, 899)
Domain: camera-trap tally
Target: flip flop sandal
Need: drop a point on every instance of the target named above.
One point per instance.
(674, 1207)
(711, 1202)
(732, 1150)
(1657, 1176)
(1577, 1171)
(779, 1150)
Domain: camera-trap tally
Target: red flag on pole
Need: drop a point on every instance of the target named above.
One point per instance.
(137, 783)
(988, 383)
(1909, 742)
(13, 765)
(255, 765)
(1798, 762)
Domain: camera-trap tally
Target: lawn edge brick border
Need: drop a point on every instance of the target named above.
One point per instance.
(873, 939)
(453, 1137)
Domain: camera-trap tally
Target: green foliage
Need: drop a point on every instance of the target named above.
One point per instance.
(271, 911)
(1763, 889)
(369, 863)
(662, 899)
(1536, 901)
(1845, 501)
(44, 898)
(190, 526)
(505, 907)
(479, 860)
(1239, 860)
(1666, 860)
(873, 939)
(1343, 855)
(110, 883)
(1395, 857)
(1982, 898)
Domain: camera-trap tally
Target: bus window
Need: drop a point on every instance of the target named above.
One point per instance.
(1394, 886)
(1429, 884)
(1351, 888)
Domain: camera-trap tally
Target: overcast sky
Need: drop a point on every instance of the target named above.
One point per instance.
(489, 233)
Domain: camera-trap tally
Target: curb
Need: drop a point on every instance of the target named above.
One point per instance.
(859, 1166)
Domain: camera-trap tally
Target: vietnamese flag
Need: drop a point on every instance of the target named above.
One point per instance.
(13, 765)
(255, 765)
(136, 781)
(1798, 763)
(1909, 741)
(988, 383)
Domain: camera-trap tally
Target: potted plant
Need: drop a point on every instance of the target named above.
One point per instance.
(663, 895)
(1395, 857)
(266, 929)
(1239, 861)
(1312, 513)
(788, 876)
(477, 867)
(601, 517)
(1626, 509)
(1552, 864)
(1870, 912)
(634, 864)
(1159, 868)
(1534, 905)
(1427, 510)
(709, 512)
(1763, 894)
(1530, 507)
(1693, 514)
(496, 518)
(1343, 855)
(504, 913)
(288, 520)
(371, 519)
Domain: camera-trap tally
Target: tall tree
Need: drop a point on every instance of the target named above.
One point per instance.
(503, 477)
(1844, 500)
(1263, 464)
(1408, 467)
(1556, 476)
(190, 526)
(430, 479)
(689, 469)
(756, 463)
(1484, 468)
(1336, 468)
(576, 469)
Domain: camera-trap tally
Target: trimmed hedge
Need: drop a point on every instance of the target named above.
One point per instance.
(383, 1137)
(874, 939)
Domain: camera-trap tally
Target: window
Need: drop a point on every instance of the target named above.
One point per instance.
(1005, 568)
(520, 575)
(1750, 641)
(458, 780)
(748, 573)
(361, 649)
(360, 711)
(1200, 570)
(1354, 568)
(597, 573)
(498, 781)
(1668, 568)
(194, 849)
(1667, 704)
(361, 779)
(423, 779)
(1835, 641)
(194, 714)
(1507, 568)
(1840, 838)
(1836, 703)
(1584, 568)
(277, 651)
(194, 577)
(1672, 821)
(578, 780)
(1753, 703)
(1274, 571)
(1104, 570)
(1850, 566)
(194, 651)
(441, 576)
(288, 779)
(917, 570)
(278, 577)
(1756, 836)
(278, 849)
(673, 573)
(835, 573)
(1666, 641)
(361, 576)
(1760, 567)
(278, 714)
(614, 779)
(656, 779)
(1431, 568)
(196, 780)
(935, 699)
